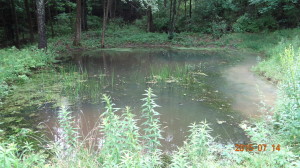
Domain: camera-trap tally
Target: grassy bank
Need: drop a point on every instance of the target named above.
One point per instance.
(16, 66)
(269, 44)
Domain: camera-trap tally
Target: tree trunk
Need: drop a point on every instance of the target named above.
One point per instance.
(178, 10)
(84, 16)
(149, 19)
(16, 27)
(29, 19)
(172, 23)
(111, 9)
(105, 15)
(171, 4)
(70, 14)
(185, 8)
(190, 8)
(34, 18)
(50, 21)
(165, 3)
(78, 24)
(115, 8)
(40, 5)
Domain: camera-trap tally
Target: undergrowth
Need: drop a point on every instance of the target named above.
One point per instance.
(270, 45)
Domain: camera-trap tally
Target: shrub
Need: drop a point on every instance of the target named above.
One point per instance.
(94, 22)
(218, 29)
(247, 23)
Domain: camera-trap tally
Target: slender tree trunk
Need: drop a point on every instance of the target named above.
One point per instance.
(185, 8)
(78, 24)
(171, 4)
(190, 8)
(70, 13)
(165, 3)
(172, 23)
(103, 25)
(50, 21)
(34, 18)
(173, 15)
(115, 8)
(16, 27)
(84, 16)
(40, 5)
(177, 11)
(105, 15)
(111, 9)
(29, 19)
(149, 19)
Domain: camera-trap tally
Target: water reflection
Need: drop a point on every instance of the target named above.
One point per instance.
(224, 96)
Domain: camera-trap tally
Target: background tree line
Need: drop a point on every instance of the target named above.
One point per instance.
(21, 19)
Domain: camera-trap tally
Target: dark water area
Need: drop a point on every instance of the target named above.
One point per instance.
(225, 93)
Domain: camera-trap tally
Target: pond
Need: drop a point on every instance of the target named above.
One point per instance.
(190, 85)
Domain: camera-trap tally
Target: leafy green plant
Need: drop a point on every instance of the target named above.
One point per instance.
(288, 114)
(10, 156)
(196, 149)
(68, 136)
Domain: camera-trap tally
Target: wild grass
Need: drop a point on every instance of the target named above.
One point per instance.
(271, 45)
(288, 111)
(187, 74)
(16, 66)
(78, 85)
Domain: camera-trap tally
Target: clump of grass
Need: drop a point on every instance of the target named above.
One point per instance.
(80, 86)
(182, 74)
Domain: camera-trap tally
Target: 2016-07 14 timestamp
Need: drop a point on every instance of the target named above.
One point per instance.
(258, 147)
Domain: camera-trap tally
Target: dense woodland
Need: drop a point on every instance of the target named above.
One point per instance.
(38, 38)
(22, 21)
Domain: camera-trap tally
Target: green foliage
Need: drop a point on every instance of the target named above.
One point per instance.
(182, 74)
(94, 22)
(195, 150)
(288, 113)
(67, 133)
(12, 156)
(248, 23)
(64, 24)
(152, 126)
(218, 29)
(123, 146)
(16, 65)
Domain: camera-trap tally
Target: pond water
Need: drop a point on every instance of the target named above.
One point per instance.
(220, 89)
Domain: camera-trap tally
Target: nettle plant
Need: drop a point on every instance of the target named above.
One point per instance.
(122, 144)
(288, 113)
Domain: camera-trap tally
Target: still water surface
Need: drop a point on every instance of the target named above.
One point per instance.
(226, 91)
